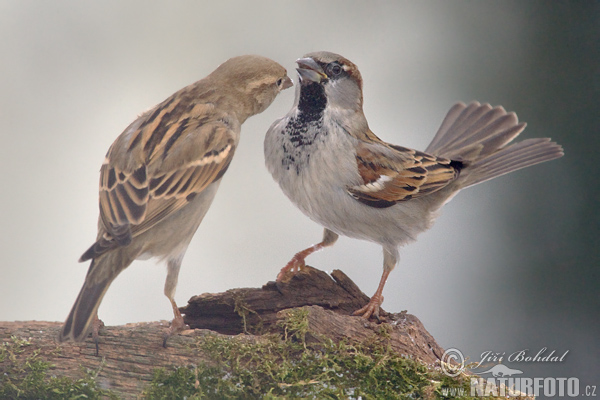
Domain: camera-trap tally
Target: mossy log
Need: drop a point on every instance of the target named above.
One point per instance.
(129, 354)
(331, 301)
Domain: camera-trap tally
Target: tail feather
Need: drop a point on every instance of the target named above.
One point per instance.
(475, 124)
(451, 118)
(511, 158)
(103, 270)
(474, 131)
(479, 136)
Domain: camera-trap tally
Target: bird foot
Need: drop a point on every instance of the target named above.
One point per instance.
(177, 325)
(296, 263)
(371, 309)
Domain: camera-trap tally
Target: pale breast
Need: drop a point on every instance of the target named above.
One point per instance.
(315, 172)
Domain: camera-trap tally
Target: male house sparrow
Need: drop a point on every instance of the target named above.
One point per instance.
(342, 176)
(161, 175)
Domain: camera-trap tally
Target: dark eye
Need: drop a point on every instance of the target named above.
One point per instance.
(334, 69)
(279, 81)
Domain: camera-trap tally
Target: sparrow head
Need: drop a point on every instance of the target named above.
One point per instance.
(253, 80)
(330, 76)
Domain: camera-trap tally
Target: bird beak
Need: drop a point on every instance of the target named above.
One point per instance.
(287, 83)
(310, 71)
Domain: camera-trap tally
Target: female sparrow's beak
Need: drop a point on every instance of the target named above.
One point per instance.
(287, 83)
(310, 71)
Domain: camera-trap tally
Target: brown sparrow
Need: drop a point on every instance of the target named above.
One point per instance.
(161, 174)
(342, 176)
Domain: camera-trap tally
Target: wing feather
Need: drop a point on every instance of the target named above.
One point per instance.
(163, 178)
(391, 174)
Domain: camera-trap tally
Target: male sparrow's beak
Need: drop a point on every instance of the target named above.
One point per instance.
(310, 71)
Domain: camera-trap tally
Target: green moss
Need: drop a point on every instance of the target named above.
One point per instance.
(296, 364)
(295, 325)
(241, 308)
(26, 377)
(290, 366)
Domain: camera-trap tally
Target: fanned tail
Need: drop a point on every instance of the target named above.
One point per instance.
(511, 158)
(480, 135)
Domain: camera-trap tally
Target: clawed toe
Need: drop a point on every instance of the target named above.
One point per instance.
(371, 309)
(177, 325)
(293, 266)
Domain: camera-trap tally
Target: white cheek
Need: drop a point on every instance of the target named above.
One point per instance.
(343, 95)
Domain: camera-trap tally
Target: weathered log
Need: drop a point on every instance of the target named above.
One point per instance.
(332, 300)
(228, 312)
(130, 353)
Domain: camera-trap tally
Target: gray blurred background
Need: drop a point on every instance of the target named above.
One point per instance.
(511, 265)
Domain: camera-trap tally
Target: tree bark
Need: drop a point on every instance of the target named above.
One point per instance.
(130, 353)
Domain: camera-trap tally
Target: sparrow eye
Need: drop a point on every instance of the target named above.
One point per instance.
(334, 69)
(279, 81)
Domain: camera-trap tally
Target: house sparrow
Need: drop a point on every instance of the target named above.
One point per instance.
(161, 174)
(342, 176)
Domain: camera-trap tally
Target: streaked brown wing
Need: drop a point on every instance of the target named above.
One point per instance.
(391, 174)
(136, 198)
(123, 200)
(171, 191)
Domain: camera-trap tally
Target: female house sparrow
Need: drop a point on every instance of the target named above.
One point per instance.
(342, 176)
(161, 175)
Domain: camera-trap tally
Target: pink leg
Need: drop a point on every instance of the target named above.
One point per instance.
(177, 325)
(297, 262)
(390, 258)
(372, 307)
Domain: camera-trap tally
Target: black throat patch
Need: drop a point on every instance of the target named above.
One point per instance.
(302, 130)
(312, 102)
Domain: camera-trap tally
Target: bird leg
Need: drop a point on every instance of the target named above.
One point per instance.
(297, 262)
(97, 324)
(390, 258)
(372, 307)
(177, 325)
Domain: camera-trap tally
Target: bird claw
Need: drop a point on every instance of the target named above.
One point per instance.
(296, 264)
(371, 309)
(177, 325)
